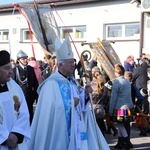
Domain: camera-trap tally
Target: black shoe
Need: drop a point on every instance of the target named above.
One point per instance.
(143, 134)
(127, 147)
(119, 146)
(148, 131)
(130, 144)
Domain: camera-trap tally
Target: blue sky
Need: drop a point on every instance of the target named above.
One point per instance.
(3, 2)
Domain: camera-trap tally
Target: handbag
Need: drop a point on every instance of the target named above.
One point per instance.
(99, 111)
(122, 115)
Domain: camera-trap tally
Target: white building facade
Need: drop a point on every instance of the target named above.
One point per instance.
(117, 21)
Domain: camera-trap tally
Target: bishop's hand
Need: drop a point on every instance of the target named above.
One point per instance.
(88, 89)
(76, 101)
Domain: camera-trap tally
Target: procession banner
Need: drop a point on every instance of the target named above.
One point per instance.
(43, 24)
(103, 60)
(111, 53)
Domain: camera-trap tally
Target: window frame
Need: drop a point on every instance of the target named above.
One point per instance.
(123, 31)
(76, 36)
(2, 39)
(23, 36)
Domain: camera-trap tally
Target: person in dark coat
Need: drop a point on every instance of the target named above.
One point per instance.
(141, 121)
(137, 99)
(51, 68)
(129, 64)
(25, 76)
(93, 62)
(79, 67)
(140, 77)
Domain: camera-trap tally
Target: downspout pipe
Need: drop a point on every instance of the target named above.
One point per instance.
(141, 33)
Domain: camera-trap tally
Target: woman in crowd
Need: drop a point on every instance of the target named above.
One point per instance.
(33, 63)
(97, 84)
(120, 107)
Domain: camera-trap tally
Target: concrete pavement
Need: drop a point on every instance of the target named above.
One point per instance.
(139, 142)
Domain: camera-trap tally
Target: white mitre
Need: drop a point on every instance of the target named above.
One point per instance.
(63, 50)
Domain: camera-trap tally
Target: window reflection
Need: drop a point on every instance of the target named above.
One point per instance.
(130, 30)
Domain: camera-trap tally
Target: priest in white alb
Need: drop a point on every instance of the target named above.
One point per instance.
(14, 115)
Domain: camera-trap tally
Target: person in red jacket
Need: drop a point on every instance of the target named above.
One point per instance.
(33, 63)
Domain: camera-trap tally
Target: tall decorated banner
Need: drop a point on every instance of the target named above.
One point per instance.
(43, 24)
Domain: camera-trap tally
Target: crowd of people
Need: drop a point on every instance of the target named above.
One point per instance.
(72, 113)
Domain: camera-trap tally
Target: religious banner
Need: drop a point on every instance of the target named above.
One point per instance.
(110, 52)
(103, 60)
(43, 24)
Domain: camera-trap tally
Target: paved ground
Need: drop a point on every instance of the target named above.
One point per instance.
(139, 142)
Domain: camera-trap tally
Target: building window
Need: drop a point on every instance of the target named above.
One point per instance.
(65, 32)
(114, 31)
(123, 31)
(76, 32)
(26, 35)
(80, 32)
(132, 30)
(4, 35)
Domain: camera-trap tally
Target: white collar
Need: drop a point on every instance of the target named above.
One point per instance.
(22, 66)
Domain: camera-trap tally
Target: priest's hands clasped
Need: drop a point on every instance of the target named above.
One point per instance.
(12, 141)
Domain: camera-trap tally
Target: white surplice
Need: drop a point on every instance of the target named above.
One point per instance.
(11, 120)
